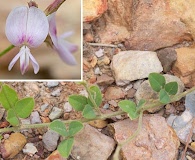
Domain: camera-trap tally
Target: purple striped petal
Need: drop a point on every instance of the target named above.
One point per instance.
(15, 28)
(37, 27)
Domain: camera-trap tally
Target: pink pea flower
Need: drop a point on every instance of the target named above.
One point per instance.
(26, 28)
(63, 47)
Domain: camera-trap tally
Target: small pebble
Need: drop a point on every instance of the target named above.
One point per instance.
(119, 117)
(44, 107)
(99, 53)
(67, 107)
(193, 145)
(97, 71)
(51, 84)
(56, 93)
(55, 113)
(106, 106)
(50, 140)
(137, 84)
(35, 117)
(29, 149)
(128, 87)
(66, 116)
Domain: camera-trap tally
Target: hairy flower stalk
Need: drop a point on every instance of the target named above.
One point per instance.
(26, 28)
(63, 47)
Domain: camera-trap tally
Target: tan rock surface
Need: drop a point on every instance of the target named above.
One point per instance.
(93, 9)
(184, 66)
(160, 26)
(13, 145)
(154, 142)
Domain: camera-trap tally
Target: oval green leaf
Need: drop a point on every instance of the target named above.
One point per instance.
(59, 127)
(78, 102)
(24, 107)
(164, 97)
(88, 112)
(8, 97)
(157, 81)
(171, 88)
(75, 127)
(129, 107)
(96, 95)
(11, 117)
(65, 147)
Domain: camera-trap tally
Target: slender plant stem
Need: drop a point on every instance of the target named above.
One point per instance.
(53, 7)
(91, 98)
(103, 45)
(28, 126)
(129, 139)
(7, 50)
(157, 103)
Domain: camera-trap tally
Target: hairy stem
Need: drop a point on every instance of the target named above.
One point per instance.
(28, 126)
(7, 50)
(120, 145)
(53, 7)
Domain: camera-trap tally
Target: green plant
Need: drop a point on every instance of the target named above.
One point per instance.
(89, 106)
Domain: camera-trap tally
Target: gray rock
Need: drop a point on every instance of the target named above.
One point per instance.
(190, 102)
(52, 84)
(67, 107)
(29, 149)
(50, 140)
(55, 113)
(133, 65)
(145, 91)
(44, 107)
(90, 144)
(97, 71)
(35, 118)
(167, 57)
(99, 53)
(137, 84)
(106, 106)
(56, 93)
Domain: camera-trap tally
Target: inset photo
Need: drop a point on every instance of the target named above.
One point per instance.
(40, 40)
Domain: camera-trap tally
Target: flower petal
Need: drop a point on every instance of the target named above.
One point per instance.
(34, 63)
(22, 51)
(37, 27)
(52, 28)
(15, 27)
(24, 60)
(70, 46)
(67, 34)
(64, 53)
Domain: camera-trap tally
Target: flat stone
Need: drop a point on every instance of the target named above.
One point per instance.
(52, 84)
(56, 92)
(92, 9)
(124, 21)
(35, 117)
(98, 123)
(154, 141)
(113, 93)
(101, 146)
(133, 65)
(55, 113)
(145, 91)
(167, 58)
(131, 93)
(99, 53)
(104, 79)
(13, 145)
(67, 107)
(50, 140)
(184, 66)
(189, 102)
(29, 149)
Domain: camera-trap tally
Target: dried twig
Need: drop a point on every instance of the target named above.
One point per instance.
(103, 45)
(188, 140)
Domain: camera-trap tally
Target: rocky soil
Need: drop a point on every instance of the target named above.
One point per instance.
(121, 47)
